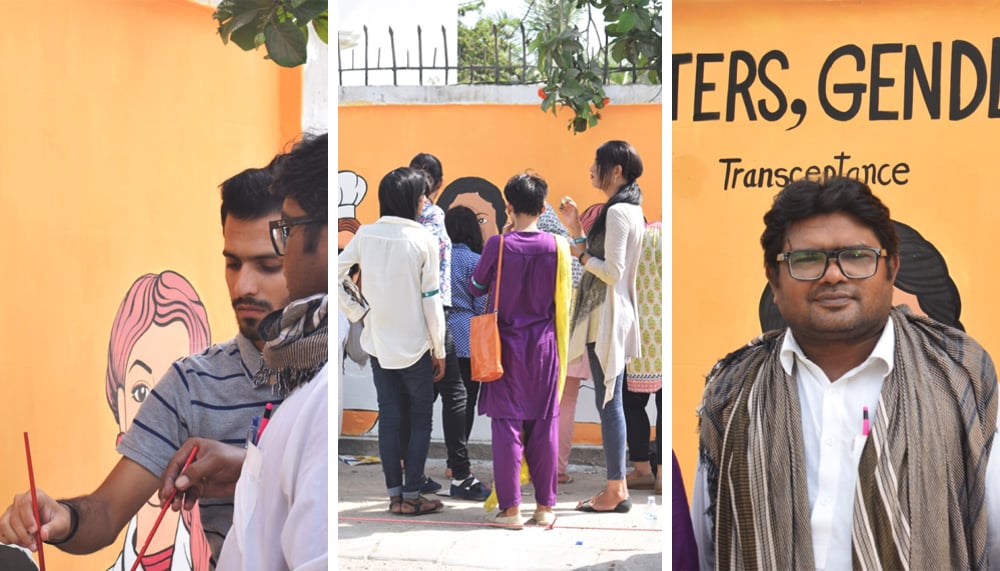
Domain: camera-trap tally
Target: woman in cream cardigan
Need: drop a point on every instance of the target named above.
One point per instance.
(604, 322)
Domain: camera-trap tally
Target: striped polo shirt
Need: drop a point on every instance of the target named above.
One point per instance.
(206, 395)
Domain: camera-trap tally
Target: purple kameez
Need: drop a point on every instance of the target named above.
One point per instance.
(526, 396)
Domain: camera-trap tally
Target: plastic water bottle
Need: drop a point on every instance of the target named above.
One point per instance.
(651, 509)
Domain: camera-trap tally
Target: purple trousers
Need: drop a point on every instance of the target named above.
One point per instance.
(538, 441)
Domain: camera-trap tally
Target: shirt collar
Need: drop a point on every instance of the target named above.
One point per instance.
(249, 354)
(398, 220)
(883, 351)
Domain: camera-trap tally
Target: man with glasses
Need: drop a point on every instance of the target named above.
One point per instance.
(280, 518)
(861, 434)
(210, 394)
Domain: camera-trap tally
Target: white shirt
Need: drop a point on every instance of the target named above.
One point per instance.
(399, 276)
(280, 519)
(832, 437)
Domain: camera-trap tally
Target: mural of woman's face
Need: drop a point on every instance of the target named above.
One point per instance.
(486, 215)
(150, 358)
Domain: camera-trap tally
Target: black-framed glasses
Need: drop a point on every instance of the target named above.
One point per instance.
(281, 228)
(854, 263)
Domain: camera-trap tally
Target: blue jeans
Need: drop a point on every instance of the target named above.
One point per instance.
(416, 382)
(612, 418)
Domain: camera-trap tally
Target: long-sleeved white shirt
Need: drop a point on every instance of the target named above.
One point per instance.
(832, 437)
(399, 271)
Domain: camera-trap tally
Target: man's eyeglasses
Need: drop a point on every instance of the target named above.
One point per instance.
(280, 229)
(854, 263)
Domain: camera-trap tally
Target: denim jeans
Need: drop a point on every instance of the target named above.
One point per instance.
(453, 413)
(415, 383)
(612, 418)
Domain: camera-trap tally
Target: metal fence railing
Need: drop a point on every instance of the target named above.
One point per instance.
(515, 65)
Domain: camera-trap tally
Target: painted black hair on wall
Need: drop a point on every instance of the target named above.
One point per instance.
(475, 185)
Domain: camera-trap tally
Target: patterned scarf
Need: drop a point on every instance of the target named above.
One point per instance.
(942, 383)
(295, 346)
(592, 291)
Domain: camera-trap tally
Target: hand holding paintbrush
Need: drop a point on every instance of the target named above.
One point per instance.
(163, 510)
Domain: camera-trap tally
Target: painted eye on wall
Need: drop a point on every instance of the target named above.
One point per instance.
(139, 393)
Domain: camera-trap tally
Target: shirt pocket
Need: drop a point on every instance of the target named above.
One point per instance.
(857, 448)
(245, 500)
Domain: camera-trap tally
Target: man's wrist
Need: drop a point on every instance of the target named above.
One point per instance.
(74, 522)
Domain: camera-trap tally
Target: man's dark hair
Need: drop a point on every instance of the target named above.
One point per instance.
(806, 198)
(430, 165)
(302, 176)
(463, 228)
(526, 194)
(246, 196)
(399, 192)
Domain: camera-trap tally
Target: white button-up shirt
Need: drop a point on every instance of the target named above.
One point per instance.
(399, 273)
(833, 437)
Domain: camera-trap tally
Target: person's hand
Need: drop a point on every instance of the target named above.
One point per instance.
(212, 473)
(17, 524)
(570, 215)
(437, 365)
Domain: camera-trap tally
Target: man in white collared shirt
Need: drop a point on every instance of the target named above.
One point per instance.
(786, 420)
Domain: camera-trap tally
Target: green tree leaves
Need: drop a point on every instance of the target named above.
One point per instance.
(281, 26)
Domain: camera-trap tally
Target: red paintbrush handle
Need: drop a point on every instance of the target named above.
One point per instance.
(163, 511)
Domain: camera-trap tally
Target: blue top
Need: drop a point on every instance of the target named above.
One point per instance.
(463, 306)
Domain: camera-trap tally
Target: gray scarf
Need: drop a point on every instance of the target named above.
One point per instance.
(295, 344)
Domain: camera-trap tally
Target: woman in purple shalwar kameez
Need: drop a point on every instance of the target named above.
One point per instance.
(524, 403)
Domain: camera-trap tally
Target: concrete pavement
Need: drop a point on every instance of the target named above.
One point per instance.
(459, 539)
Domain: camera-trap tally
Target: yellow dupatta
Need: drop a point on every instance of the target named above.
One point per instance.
(564, 289)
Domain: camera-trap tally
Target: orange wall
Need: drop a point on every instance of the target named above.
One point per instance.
(119, 120)
(495, 142)
(949, 194)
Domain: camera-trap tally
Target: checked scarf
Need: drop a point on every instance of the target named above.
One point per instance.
(295, 344)
(919, 500)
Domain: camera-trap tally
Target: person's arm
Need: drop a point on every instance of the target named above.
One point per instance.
(346, 294)
(212, 474)
(701, 521)
(100, 515)
(430, 300)
(483, 276)
(993, 505)
(612, 268)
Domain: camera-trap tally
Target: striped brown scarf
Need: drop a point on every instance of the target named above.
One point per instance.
(943, 383)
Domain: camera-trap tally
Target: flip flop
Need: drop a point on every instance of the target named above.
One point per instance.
(623, 507)
(420, 506)
(565, 479)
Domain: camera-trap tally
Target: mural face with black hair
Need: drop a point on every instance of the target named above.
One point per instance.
(922, 283)
(482, 197)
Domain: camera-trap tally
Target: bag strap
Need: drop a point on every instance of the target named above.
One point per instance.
(496, 290)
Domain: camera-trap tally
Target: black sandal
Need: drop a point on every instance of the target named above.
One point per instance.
(395, 504)
(419, 506)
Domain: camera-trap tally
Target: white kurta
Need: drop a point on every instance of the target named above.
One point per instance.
(280, 517)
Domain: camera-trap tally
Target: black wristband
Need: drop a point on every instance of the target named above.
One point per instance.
(74, 522)
(580, 257)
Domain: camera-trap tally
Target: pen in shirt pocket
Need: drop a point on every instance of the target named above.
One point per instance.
(864, 421)
(264, 420)
(252, 431)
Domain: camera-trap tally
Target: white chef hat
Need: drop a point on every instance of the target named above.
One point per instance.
(352, 191)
